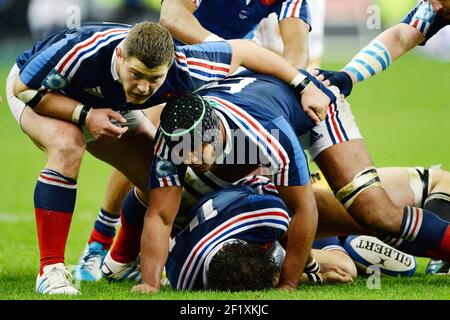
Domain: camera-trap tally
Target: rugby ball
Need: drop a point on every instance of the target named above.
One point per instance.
(369, 251)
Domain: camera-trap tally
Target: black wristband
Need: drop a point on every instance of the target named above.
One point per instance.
(301, 86)
(315, 278)
(36, 99)
(83, 115)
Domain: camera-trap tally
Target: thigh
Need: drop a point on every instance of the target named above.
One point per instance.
(338, 127)
(132, 155)
(341, 162)
(397, 183)
(49, 133)
(372, 207)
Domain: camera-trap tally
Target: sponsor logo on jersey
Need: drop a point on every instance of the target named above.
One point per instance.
(55, 81)
(165, 168)
(97, 91)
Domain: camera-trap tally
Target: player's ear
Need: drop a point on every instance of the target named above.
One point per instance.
(119, 53)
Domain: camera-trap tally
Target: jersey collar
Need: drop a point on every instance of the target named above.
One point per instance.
(228, 141)
(114, 73)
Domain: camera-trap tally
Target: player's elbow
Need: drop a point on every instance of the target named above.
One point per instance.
(168, 21)
(159, 217)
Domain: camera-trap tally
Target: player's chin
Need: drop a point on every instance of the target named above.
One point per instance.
(137, 98)
(200, 168)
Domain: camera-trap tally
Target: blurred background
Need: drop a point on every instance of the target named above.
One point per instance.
(349, 24)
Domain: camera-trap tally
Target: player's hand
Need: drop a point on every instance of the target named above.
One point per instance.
(315, 103)
(340, 79)
(144, 288)
(99, 125)
(336, 275)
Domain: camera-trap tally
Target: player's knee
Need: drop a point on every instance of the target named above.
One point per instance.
(440, 181)
(68, 148)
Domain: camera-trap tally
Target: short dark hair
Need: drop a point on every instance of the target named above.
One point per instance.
(241, 266)
(192, 114)
(150, 43)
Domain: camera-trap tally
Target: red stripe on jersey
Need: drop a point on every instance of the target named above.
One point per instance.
(101, 34)
(158, 145)
(255, 126)
(208, 66)
(234, 221)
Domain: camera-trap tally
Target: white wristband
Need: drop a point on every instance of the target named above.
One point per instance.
(76, 113)
(297, 80)
(212, 37)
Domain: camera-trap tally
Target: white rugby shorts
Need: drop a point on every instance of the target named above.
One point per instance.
(338, 126)
(15, 105)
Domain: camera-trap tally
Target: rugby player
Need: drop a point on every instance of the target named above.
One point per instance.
(74, 91)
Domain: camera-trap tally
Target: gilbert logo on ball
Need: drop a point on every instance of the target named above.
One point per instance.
(370, 251)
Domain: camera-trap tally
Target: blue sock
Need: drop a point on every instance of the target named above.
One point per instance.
(104, 229)
(423, 234)
(133, 209)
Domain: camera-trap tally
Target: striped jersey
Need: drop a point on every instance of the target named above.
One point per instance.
(80, 63)
(262, 118)
(235, 19)
(235, 212)
(425, 19)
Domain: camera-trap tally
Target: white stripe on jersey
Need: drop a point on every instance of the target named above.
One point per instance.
(212, 69)
(102, 35)
(277, 163)
(74, 70)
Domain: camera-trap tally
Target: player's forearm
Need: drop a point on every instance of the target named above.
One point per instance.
(51, 104)
(378, 55)
(300, 238)
(259, 60)
(294, 33)
(296, 55)
(177, 16)
(154, 249)
(301, 233)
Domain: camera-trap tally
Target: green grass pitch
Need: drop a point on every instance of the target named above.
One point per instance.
(404, 114)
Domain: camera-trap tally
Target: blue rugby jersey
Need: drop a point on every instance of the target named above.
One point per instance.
(263, 109)
(80, 63)
(235, 19)
(235, 212)
(425, 19)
